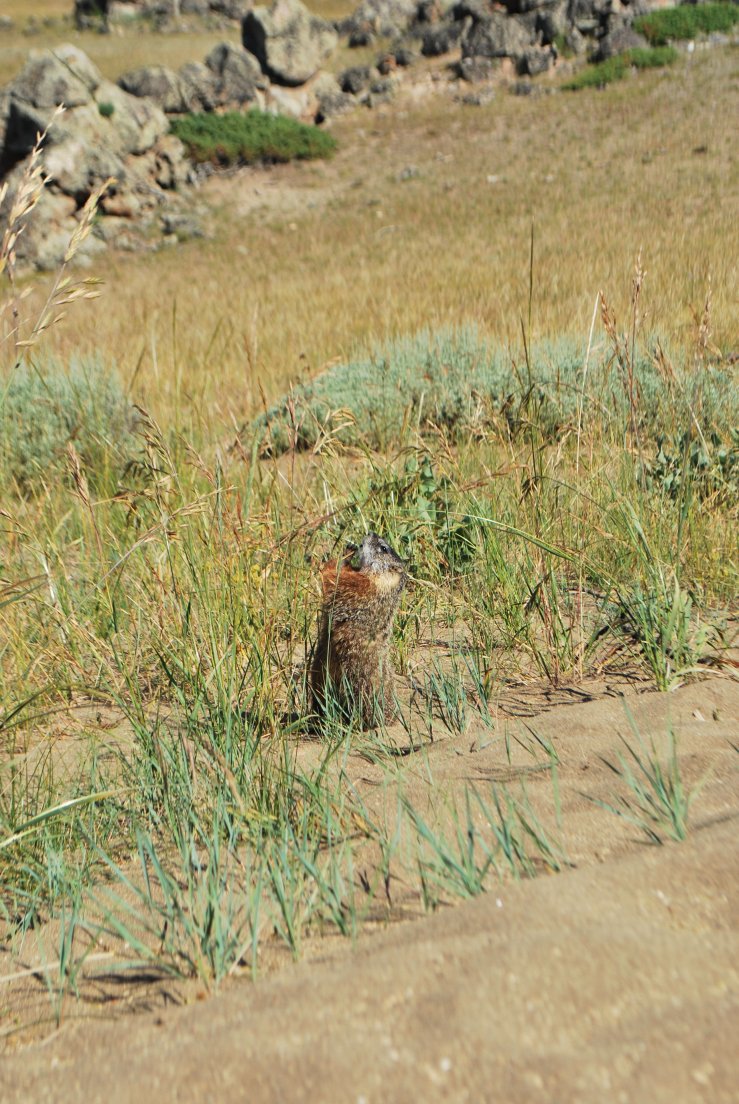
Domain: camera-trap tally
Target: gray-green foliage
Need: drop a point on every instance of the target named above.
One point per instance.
(458, 380)
(45, 406)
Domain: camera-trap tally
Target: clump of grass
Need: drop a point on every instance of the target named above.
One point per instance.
(250, 138)
(671, 635)
(655, 799)
(498, 834)
(616, 68)
(686, 21)
(46, 406)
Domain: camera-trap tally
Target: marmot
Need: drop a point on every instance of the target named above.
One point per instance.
(351, 660)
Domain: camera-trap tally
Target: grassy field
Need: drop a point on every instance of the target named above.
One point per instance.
(577, 520)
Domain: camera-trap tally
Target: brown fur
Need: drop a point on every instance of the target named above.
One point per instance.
(351, 660)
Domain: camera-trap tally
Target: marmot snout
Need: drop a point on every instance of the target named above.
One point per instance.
(351, 661)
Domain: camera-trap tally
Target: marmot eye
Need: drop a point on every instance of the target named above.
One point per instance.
(384, 548)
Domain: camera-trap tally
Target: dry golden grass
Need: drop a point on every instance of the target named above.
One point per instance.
(114, 54)
(128, 47)
(331, 255)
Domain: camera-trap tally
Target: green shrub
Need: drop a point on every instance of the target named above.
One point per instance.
(455, 379)
(684, 463)
(45, 407)
(616, 68)
(686, 21)
(236, 138)
(106, 109)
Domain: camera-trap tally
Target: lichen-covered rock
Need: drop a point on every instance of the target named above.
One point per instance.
(237, 74)
(289, 43)
(157, 83)
(330, 98)
(379, 18)
(357, 79)
(442, 38)
(64, 75)
(498, 36)
(536, 60)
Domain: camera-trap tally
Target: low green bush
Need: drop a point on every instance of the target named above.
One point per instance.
(687, 21)
(44, 407)
(457, 380)
(250, 138)
(616, 68)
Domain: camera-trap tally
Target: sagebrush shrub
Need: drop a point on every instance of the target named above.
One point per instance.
(45, 406)
(456, 379)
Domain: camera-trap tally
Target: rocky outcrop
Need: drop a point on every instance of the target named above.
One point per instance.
(228, 78)
(529, 33)
(289, 43)
(379, 18)
(103, 133)
(105, 14)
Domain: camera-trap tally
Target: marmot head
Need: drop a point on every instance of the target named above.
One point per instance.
(375, 555)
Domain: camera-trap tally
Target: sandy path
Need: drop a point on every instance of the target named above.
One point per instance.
(617, 981)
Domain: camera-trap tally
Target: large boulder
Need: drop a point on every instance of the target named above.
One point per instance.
(441, 38)
(237, 74)
(157, 83)
(498, 36)
(379, 18)
(64, 75)
(289, 43)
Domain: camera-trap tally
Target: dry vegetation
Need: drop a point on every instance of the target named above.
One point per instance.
(157, 599)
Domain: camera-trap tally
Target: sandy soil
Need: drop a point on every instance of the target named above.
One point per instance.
(617, 979)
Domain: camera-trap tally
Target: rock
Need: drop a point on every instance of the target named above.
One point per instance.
(442, 38)
(77, 167)
(61, 76)
(105, 14)
(398, 57)
(357, 79)
(22, 125)
(576, 42)
(383, 18)
(157, 83)
(430, 11)
(183, 224)
(198, 84)
(381, 91)
(537, 59)
(91, 14)
(237, 74)
(497, 36)
(171, 168)
(476, 70)
(123, 205)
(331, 100)
(520, 7)
(133, 126)
(551, 23)
(289, 43)
(49, 227)
(618, 41)
(297, 103)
